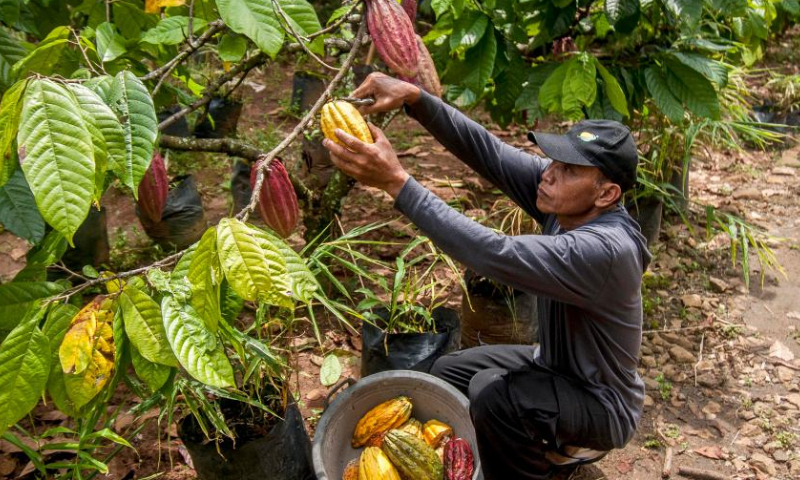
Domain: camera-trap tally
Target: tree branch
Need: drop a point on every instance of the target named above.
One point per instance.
(187, 50)
(254, 61)
(231, 147)
(298, 129)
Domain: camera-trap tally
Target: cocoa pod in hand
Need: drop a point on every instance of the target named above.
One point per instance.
(277, 201)
(458, 460)
(392, 34)
(153, 189)
(343, 115)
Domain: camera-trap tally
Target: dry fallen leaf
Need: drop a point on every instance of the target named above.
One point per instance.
(711, 451)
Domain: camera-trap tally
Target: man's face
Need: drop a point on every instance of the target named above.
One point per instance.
(568, 190)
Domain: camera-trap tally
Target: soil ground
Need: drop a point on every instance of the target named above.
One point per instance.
(720, 360)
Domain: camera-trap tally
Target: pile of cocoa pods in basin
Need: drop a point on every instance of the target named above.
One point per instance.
(400, 446)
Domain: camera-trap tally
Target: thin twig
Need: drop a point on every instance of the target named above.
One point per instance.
(108, 10)
(326, 95)
(300, 39)
(337, 23)
(191, 21)
(187, 50)
(212, 88)
(699, 357)
(83, 51)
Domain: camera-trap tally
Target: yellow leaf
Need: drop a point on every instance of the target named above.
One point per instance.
(82, 388)
(115, 285)
(75, 351)
(154, 6)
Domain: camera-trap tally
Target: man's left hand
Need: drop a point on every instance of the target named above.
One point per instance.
(375, 164)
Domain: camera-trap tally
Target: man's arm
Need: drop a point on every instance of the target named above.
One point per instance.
(571, 268)
(515, 172)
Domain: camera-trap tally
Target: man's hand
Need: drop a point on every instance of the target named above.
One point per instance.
(389, 93)
(375, 164)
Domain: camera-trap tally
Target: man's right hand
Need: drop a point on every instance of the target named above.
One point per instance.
(389, 93)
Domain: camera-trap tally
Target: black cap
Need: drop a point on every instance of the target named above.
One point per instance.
(605, 144)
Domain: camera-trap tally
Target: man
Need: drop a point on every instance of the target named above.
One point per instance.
(577, 395)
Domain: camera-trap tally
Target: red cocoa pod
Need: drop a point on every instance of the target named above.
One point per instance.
(458, 461)
(410, 6)
(427, 76)
(277, 202)
(153, 189)
(392, 34)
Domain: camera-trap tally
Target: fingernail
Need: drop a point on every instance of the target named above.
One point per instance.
(326, 143)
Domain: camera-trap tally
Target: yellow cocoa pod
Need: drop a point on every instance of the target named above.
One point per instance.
(343, 115)
(375, 465)
(351, 470)
(382, 418)
(434, 432)
(414, 427)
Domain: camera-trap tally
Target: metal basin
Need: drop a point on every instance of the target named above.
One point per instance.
(431, 397)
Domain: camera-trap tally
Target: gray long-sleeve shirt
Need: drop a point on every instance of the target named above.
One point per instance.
(588, 279)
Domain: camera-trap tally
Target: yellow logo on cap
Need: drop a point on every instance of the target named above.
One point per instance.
(587, 136)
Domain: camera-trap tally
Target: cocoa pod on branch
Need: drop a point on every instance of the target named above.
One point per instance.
(392, 34)
(277, 200)
(153, 189)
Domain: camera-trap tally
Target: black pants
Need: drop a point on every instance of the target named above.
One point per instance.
(521, 411)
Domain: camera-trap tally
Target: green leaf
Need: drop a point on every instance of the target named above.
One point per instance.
(154, 375)
(623, 15)
(468, 31)
(613, 90)
(232, 47)
(693, 89)
(10, 108)
(242, 260)
(685, 10)
(330, 371)
(144, 326)
(9, 11)
(476, 69)
(710, 68)
(529, 98)
(24, 368)
(662, 95)
(18, 212)
(102, 86)
(94, 111)
(17, 297)
(550, 91)
(791, 7)
(256, 20)
(440, 7)
(303, 282)
(110, 44)
(304, 20)
(181, 269)
(172, 30)
(55, 328)
(11, 51)
(44, 59)
(279, 293)
(56, 153)
(196, 347)
(580, 85)
(204, 275)
(132, 103)
(131, 19)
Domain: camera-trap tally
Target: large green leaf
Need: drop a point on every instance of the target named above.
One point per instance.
(181, 269)
(711, 69)
(11, 51)
(172, 30)
(133, 105)
(10, 108)
(580, 85)
(468, 31)
(613, 90)
(56, 153)
(693, 89)
(44, 59)
(18, 212)
(254, 19)
(281, 290)
(475, 70)
(154, 375)
(232, 47)
(92, 110)
(144, 326)
(550, 91)
(685, 10)
(197, 349)
(110, 44)
(106, 122)
(664, 98)
(131, 19)
(242, 260)
(303, 283)
(440, 7)
(204, 275)
(304, 20)
(24, 367)
(9, 11)
(529, 97)
(102, 86)
(17, 297)
(623, 15)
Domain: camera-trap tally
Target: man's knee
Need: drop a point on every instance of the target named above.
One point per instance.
(444, 366)
(488, 394)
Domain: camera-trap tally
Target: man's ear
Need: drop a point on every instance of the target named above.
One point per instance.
(609, 194)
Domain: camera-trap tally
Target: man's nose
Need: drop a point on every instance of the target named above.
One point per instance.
(547, 175)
